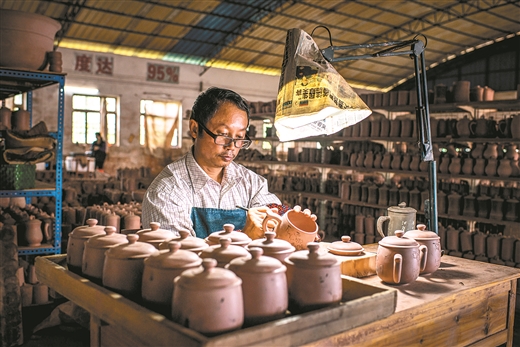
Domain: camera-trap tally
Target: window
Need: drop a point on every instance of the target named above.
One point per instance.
(160, 124)
(93, 114)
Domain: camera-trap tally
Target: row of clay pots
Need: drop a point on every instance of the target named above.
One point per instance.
(502, 168)
(32, 225)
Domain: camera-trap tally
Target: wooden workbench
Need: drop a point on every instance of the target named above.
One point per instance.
(464, 303)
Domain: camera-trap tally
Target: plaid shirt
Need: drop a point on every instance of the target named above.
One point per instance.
(183, 185)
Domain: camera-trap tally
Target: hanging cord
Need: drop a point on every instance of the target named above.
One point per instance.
(324, 27)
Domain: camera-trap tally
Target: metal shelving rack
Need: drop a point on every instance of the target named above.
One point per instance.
(14, 82)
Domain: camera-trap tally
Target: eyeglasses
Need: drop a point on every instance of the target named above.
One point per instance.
(222, 140)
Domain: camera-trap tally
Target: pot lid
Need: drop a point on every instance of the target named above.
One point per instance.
(132, 250)
(208, 276)
(89, 230)
(401, 208)
(154, 234)
(421, 233)
(398, 241)
(312, 257)
(345, 247)
(236, 237)
(188, 242)
(225, 251)
(175, 258)
(271, 245)
(256, 264)
(110, 239)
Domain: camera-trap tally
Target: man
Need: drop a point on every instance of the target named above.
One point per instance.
(200, 192)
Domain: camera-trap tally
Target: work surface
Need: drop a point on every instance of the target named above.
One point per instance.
(465, 302)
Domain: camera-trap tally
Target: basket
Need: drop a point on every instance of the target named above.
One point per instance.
(17, 176)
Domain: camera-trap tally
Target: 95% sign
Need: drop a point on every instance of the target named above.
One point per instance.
(162, 73)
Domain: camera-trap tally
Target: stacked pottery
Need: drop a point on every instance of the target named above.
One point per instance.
(264, 286)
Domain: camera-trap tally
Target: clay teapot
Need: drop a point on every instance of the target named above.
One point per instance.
(399, 217)
(264, 286)
(479, 127)
(345, 247)
(76, 243)
(154, 235)
(237, 238)
(33, 231)
(159, 272)
(188, 242)
(224, 252)
(124, 266)
(94, 252)
(273, 247)
(198, 299)
(399, 260)
(313, 279)
(463, 127)
(432, 241)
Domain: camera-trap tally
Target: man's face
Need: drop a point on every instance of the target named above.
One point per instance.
(230, 121)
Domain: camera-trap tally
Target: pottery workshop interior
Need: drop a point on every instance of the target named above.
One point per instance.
(261, 173)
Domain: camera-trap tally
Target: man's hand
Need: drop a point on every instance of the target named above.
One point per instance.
(255, 217)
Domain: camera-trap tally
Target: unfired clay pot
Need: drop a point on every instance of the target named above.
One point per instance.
(399, 217)
(188, 242)
(264, 286)
(432, 241)
(155, 235)
(224, 252)
(94, 252)
(33, 232)
(237, 238)
(124, 266)
(159, 272)
(208, 299)
(399, 260)
(345, 247)
(76, 243)
(313, 279)
(273, 247)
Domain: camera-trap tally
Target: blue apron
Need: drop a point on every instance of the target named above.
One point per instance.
(208, 220)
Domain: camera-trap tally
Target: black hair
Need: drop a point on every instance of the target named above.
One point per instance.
(209, 101)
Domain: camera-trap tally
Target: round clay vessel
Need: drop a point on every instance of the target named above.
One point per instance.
(159, 272)
(76, 243)
(224, 252)
(33, 232)
(208, 299)
(94, 252)
(26, 39)
(345, 247)
(155, 235)
(399, 260)
(264, 286)
(399, 217)
(188, 242)
(237, 238)
(432, 241)
(273, 247)
(124, 266)
(313, 279)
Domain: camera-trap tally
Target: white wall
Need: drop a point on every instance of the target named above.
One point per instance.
(129, 84)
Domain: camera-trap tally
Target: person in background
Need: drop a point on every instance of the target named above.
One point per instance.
(99, 151)
(200, 192)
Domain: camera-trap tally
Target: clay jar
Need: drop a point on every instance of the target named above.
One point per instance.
(272, 247)
(124, 266)
(399, 217)
(188, 242)
(463, 127)
(345, 247)
(294, 226)
(208, 299)
(432, 241)
(94, 252)
(132, 221)
(515, 126)
(237, 238)
(76, 243)
(33, 232)
(399, 260)
(5, 117)
(313, 279)
(264, 287)
(21, 120)
(159, 272)
(155, 235)
(224, 252)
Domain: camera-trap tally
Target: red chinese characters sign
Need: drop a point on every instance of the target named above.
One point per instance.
(99, 64)
(162, 73)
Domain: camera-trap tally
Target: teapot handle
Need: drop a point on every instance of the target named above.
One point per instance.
(270, 215)
(380, 222)
(398, 267)
(472, 126)
(424, 256)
